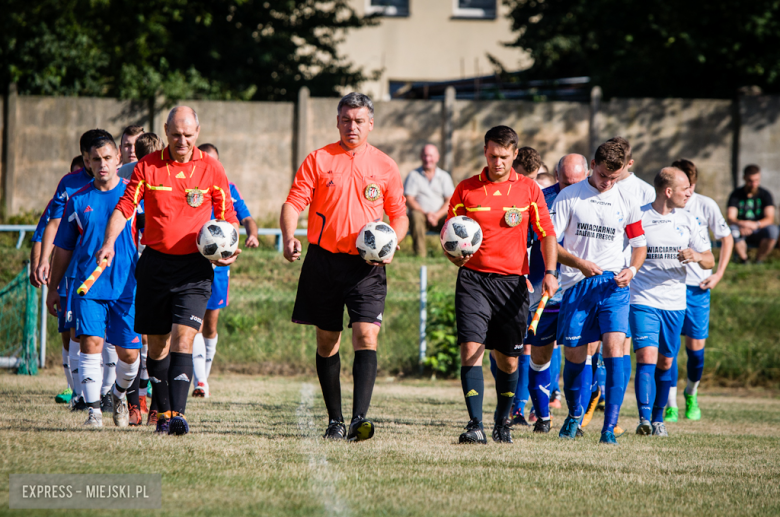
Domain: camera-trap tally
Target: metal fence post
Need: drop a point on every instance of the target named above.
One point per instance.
(44, 313)
(423, 314)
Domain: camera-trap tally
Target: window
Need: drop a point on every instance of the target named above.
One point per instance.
(474, 9)
(388, 7)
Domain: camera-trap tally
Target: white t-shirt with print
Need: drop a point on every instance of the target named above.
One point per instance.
(642, 193)
(592, 225)
(708, 216)
(660, 282)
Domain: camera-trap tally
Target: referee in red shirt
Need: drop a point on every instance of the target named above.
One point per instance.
(348, 184)
(179, 185)
(491, 297)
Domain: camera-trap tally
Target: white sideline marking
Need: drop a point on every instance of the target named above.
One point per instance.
(323, 479)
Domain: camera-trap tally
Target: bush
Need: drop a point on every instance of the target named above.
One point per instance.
(444, 352)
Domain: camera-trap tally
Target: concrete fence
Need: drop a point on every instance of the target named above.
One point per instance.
(262, 143)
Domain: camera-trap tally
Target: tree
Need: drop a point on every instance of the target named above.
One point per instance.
(632, 48)
(238, 49)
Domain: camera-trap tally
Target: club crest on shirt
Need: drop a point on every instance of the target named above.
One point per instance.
(513, 216)
(194, 197)
(372, 192)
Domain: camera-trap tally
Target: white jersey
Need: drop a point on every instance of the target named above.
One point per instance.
(660, 282)
(642, 193)
(707, 214)
(592, 224)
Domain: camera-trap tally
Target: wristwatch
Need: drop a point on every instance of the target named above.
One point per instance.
(553, 272)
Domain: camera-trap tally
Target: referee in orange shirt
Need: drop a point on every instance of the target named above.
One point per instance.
(179, 185)
(491, 297)
(348, 184)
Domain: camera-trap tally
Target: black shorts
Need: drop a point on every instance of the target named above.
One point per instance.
(331, 280)
(171, 289)
(492, 309)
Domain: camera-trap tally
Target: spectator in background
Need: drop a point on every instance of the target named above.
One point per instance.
(428, 190)
(751, 216)
(127, 143)
(528, 162)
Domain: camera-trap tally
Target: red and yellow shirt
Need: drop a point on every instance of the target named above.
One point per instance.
(346, 191)
(505, 211)
(178, 199)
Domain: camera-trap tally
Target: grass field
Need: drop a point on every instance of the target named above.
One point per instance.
(254, 450)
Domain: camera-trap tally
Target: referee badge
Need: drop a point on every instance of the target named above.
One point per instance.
(513, 216)
(194, 197)
(372, 192)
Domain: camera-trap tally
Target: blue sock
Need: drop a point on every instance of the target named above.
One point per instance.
(695, 364)
(539, 389)
(493, 365)
(626, 371)
(587, 381)
(473, 384)
(594, 384)
(644, 386)
(555, 370)
(674, 373)
(572, 383)
(663, 381)
(521, 395)
(615, 388)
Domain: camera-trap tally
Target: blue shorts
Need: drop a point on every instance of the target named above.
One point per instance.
(220, 289)
(65, 319)
(113, 319)
(697, 314)
(657, 328)
(590, 308)
(546, 330)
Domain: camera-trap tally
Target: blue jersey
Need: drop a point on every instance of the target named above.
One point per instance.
(536, 267)
(69, 185)
(82, 230)
(42, 222)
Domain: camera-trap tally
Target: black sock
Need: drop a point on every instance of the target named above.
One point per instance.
(506, 385)
(158, 376)
(364, 375)
(179, 378)
(132, 392)
(143, 382)
(473, 383)
(328, 371)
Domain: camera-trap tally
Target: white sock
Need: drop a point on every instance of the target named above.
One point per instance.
(211, 351)
(109, 367)
(199, 359)
(73, 356)
(144, 374)
(89, 371)
(672, 401)
(66, 367)
(125, 375)
(691, 387)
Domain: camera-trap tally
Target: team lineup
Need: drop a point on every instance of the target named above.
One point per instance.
(582, 265)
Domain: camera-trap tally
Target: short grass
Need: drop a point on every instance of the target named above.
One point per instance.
(254, 450)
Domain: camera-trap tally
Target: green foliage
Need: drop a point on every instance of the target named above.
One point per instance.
(443, 348)
(240, 49)
(633, 48)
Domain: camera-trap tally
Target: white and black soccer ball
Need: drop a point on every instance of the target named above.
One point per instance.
(376, 242)
(460, 236)
(217, 240)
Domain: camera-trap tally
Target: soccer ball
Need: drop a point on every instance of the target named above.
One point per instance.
(460, 236)
(376, 242)
(217, 240)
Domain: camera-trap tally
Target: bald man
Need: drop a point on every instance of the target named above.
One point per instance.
(428, 190)
(180, 186)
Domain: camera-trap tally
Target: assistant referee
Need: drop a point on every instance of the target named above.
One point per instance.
(348, 184)
(179, 185)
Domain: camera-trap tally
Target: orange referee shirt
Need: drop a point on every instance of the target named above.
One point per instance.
(505, 211)
(346, 192)
(178, 198)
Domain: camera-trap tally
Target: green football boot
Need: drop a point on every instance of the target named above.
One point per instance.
(692, 411)
(64, 396)
(671, 414)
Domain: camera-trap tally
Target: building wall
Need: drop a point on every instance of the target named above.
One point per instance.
(759, 140)
(430, 44)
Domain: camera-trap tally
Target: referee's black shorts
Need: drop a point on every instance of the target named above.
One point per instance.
(171, 289)
(331, 280)
(492, 309)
